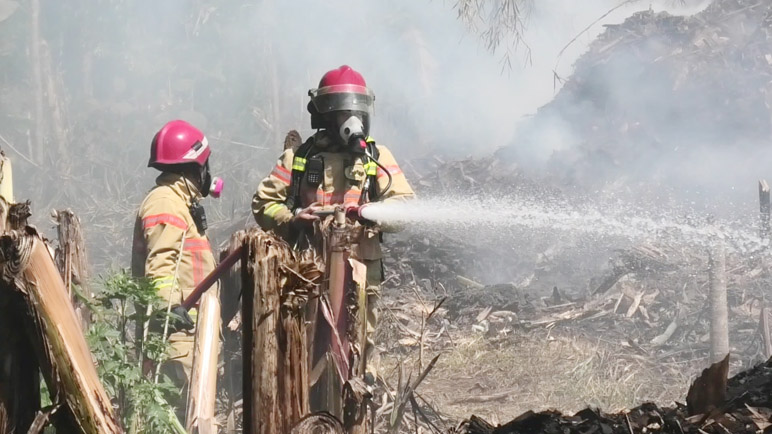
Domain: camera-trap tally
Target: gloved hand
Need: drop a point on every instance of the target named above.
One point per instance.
(180, 320)
(305, 217)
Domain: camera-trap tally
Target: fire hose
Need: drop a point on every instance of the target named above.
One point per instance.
(211, 278)
(234, 256)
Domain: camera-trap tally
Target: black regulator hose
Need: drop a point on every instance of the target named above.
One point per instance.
(388, 184)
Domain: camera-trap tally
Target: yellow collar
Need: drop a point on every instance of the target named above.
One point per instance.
(177, 183)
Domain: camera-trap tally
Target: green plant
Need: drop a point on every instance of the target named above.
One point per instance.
(124, 346)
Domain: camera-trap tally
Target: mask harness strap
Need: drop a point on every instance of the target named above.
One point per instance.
(299, 161)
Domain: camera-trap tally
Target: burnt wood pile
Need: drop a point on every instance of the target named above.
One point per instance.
(713, 405)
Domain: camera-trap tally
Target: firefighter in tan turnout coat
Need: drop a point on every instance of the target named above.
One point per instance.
(339, 165)
(170, 245)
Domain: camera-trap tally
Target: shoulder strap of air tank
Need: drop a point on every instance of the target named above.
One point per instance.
(304, 151)
(371, 169)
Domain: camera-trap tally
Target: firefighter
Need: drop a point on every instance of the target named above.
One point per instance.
(339, 165)
(170, 243)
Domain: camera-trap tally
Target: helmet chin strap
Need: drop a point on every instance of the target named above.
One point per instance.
(198, 180)
(187, 186)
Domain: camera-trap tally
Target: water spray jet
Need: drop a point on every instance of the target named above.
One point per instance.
(507, 217)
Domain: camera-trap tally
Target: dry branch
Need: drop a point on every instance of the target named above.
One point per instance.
(405, 395)
(660, 340)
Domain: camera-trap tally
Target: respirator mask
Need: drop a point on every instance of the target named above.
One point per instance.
(352, 131)
(210, 185)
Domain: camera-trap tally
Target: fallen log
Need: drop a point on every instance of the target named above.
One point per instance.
(58, 342)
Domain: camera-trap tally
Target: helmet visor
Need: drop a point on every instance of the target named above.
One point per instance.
(342, 97)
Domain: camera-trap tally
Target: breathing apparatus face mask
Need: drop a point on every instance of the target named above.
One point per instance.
(352, 131)
(209, 185)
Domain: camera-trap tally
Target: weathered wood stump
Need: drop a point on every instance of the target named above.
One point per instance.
(277, 283)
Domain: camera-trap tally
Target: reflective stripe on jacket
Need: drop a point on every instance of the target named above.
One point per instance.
(344, 177)
(162, 219)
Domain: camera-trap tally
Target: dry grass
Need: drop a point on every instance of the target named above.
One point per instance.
(538, 370)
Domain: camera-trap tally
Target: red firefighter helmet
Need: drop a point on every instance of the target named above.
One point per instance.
(340, 89)
(178, 142)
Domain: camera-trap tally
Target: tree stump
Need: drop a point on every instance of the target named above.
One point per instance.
(277, 282)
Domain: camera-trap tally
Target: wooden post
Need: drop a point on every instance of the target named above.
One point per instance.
(264, 323)
(71, 259)
(247, 341)
(202, 394)
(233, 331)
(766, 331)
(719, 316)
(764, 209)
